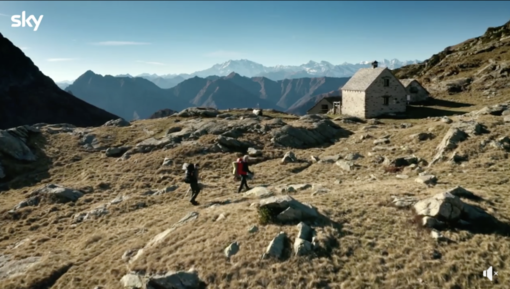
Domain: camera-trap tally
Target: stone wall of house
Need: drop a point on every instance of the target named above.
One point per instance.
(374, 98)
(353, 103)
(317, 108)
(419, 96)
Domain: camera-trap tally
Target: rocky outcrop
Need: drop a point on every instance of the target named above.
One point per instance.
(120, 122)
(198, 112)
(27, 96)
(287, 209)
(162, 113)
(13, 143)
(456, 134)
(170, 280)
(276, 247)
(320, 133)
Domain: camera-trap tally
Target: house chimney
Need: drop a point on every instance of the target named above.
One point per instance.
(374, 64)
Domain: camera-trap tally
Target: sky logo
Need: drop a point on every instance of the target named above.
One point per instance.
(16, 22)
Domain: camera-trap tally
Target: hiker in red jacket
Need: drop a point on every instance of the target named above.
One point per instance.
(243, 170)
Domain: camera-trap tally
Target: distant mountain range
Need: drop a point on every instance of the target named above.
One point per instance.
(249, 68)
(131, 97)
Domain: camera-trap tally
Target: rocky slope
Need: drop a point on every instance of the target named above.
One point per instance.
(27, 96)
(472, 71)
(331, 200)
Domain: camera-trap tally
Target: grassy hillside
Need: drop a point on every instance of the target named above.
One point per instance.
(366, 243)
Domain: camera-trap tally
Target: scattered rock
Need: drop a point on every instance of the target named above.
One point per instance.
(232, 143)
(320, 191)
(11, 268)
(402, 177)
(422, 136)
(298, 187)
(167, 162)
(166, 190)
(198, 112)
(231, 250)
(57, 193)
(446, 120)
(329, 159)
(381, 141)
(346, 165)
(352, 156)
(92, 214)
(302, 244)
(275, 248)
(321, 132)
(404, 202)
(253, 152)
(457, 157)
(116, 151)
(426, 179)
(449, 142)
(120, 122)
(253, 229)
(289, 157)
(288, 209)
(260, 192)
(443, 206)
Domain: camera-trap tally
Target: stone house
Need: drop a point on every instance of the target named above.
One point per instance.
(328, 104)
(415, 91)
(372, 92)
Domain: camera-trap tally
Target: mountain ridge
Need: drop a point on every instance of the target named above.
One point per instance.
(127, 95)
(27, 96)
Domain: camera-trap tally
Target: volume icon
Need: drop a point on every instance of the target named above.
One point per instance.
(488, 273)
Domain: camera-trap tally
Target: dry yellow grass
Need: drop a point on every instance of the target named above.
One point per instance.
(368, 244)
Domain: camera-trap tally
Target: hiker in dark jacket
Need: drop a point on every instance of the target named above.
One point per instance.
(243, 170)
(192, 179)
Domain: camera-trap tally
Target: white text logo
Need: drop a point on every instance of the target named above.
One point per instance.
(16, 22)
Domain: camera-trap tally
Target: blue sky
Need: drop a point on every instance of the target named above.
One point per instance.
(183, 37)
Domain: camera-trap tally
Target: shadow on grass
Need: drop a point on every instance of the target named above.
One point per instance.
(444, 103)
(21, 174)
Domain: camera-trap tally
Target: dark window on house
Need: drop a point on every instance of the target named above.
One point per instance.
(324, 108)
(386, 82)
(413, 89)
(386, 100)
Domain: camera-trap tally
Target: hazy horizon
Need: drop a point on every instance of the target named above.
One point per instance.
(184, 37)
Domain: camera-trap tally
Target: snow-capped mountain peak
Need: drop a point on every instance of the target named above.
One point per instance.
(312, 68)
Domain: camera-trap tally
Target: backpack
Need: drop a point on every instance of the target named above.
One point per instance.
(190, 174)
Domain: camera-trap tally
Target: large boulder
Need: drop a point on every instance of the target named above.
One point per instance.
(232, 143)
(287, 209)
(2, 174)
(450, 141)
(443, 206)
(276, 247)
(319, 133)
(13, 142)
(57, 193)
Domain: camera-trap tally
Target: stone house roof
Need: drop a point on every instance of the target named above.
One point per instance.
(407, 81)
(329, 99)
(363, 78)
